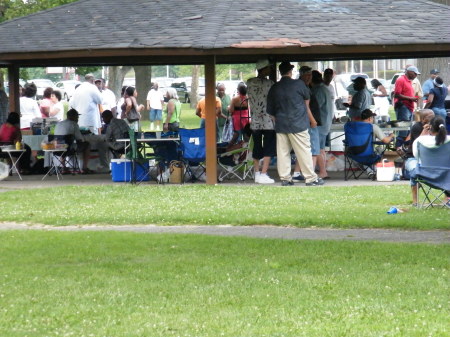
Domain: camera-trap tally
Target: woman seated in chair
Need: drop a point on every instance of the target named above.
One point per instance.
(10, 134)
(433, 134)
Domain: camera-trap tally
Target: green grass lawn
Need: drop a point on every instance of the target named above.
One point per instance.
(338, 207)
(129, 284)
(188, 118)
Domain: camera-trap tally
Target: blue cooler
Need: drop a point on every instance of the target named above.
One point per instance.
(121, 170)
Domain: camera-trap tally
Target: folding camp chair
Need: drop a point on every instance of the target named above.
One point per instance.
(360, 155)
(66, 157)
(193, 152)
(237, 163)
(432, 175)
(137, 160)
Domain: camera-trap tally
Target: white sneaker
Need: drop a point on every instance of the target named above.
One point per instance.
(265, 179)
(157, 128)
(257, 175)
(151, 126)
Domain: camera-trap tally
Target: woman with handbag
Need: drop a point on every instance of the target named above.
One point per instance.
(131, 111)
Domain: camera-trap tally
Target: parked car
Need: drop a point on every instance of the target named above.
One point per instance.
(392, 85)
(41, 85)
(183, 86)
(67, 88)
(6, 85)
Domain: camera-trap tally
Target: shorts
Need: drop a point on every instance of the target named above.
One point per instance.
(265, 143)
(322, 138)
(410, 166)
(315, 141)
(155, 114)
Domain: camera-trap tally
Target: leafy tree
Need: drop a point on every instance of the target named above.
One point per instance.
(10, 9)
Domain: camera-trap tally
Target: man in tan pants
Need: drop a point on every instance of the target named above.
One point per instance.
(288, 103)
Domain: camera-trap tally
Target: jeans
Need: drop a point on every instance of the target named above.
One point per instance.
(410, 166)
(403, 114)
(440, 112)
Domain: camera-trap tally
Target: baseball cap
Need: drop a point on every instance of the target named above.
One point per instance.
(434, 71)
(285, 66)
(261, 64)
(366, 114)
(438, 82)
(413, 69)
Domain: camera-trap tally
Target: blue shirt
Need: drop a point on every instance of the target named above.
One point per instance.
(360, 102)
(322, 95)
(439, 97)
(426, 87)
(286, 102)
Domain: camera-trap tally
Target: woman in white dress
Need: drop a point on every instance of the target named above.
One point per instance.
(380, 98)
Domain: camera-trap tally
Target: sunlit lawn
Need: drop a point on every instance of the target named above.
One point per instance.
(129, 284)
(338, 207)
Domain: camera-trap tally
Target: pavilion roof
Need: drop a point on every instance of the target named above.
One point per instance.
(234, 31)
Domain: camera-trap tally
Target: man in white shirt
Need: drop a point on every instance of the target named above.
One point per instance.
(109, 99)
(86, 100)
(155, 101)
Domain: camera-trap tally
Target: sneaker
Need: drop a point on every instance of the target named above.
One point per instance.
(298, 178)
(317, 182)
(151, 126)
(257, 175)
(265, 179)
(287, 183)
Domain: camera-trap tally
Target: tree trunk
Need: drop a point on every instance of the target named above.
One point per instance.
(143, 76)
(115, 78)
(441, 63)
(194, 86)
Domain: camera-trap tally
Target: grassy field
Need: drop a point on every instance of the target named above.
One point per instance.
(127, 284)
(188, 118)
(338, 207)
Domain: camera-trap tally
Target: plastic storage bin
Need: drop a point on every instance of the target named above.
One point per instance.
(121, 170)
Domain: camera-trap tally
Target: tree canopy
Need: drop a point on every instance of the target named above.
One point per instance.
(10, 9)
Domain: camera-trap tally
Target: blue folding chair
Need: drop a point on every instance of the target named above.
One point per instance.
(433, 176)
(359, 150)
(193, 152)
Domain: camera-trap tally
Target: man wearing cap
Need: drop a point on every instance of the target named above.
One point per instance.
(288, 103)
(264, 137)
(86, 100)
(367, 117)
(404, 94)
(428, 84)
(361, 100)
(70, 126)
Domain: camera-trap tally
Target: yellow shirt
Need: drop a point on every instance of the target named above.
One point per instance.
(201, 106)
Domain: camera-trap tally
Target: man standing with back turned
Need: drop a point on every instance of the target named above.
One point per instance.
(288, 103)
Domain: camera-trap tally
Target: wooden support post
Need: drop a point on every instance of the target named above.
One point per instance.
(210, 121)
(14, 94)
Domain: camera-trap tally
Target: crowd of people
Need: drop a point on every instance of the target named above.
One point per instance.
(291, 114)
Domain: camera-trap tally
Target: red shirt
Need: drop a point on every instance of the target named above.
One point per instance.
(9, 133)
(403, 86)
